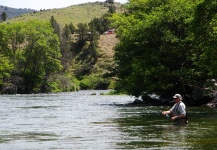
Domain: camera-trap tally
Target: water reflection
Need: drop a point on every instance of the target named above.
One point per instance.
(144, 128)
(83, 121)
(7, 136)
(141, 128)
(177, 135)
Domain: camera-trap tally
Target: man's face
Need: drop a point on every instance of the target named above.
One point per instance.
(176, 100)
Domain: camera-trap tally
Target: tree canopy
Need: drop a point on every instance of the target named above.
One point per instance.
(165, 47)
(33, 51)
(40, 56)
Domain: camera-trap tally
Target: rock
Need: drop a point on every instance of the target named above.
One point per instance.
(213, 103)
(10, 89)
(209, 101)
(137, 101)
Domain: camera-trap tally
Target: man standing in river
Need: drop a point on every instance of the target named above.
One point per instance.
(178, 111)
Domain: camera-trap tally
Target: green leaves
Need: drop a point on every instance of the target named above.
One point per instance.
(205, 26)
(157, 52)
(5, 68)
(34, 51)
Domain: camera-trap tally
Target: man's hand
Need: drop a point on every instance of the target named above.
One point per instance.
(165, 112)
(174, 118)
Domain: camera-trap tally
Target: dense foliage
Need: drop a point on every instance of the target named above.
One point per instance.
(41, 56)
(166, 47)
(29, 54)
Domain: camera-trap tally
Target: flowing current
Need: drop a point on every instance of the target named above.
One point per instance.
(92, 121)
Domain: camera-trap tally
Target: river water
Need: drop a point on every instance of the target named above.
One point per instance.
(80, 120)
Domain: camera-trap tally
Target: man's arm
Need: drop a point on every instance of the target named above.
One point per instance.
(166, 112)
(178, 117)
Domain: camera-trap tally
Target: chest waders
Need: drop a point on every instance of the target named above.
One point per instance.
(180, 120)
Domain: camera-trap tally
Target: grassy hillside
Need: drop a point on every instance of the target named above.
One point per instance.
(82, 13)
(75, 14)
(13, 12)
(107, 43)
(89, 68)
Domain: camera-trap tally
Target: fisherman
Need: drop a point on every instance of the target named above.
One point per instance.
(178, 111)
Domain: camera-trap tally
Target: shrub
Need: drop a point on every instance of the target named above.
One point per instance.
(94, 82)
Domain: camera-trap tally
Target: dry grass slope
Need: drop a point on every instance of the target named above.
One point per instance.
(75, 14)
(107, 43)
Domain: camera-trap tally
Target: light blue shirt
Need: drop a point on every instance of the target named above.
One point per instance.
(178, 109)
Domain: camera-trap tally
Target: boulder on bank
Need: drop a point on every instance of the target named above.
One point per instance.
(209, 100)
(213, 102)
(150, 102)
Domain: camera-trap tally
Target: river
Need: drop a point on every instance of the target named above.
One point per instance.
(92, 121)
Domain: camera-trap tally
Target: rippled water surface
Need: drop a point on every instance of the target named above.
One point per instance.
(80, 120)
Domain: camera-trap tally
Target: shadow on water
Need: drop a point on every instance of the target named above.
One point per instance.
(39, 107)
(29, 136)
(145, 128)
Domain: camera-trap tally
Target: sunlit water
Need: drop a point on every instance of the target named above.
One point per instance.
(79, 120)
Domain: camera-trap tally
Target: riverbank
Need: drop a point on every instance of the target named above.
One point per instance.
(209, 101)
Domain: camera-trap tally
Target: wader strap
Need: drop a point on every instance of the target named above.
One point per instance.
(186, 117)
(177, 106)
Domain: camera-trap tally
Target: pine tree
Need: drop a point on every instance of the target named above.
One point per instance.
(110, 1)
(4, 16)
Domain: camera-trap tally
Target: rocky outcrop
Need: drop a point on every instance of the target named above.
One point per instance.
(213, 102)
(209, 100)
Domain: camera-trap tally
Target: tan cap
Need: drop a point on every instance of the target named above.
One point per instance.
(177, 96)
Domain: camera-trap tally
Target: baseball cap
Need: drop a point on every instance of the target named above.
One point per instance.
(177, 96)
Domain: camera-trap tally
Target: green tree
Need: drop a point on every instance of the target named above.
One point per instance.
(3, 40)
(106, 23)
(5, 68)
(82, 31)
(66, 32)
(205, 29)
(72, 28)
(98, 25)
(6, 63)
(94, 37)
(42, 55)
(55, 26)
(110, 1)
(112, 9)
(65, 46)
(4, 16)
(29, 56)
(15, 39)
(155, 50)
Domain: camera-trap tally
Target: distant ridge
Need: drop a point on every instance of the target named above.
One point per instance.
(14, 12)
(82, 13)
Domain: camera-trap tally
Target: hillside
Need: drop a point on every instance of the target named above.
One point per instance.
(107, 43)
(85, 65)
(82, 13)
(14, 12)
(75, 14)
